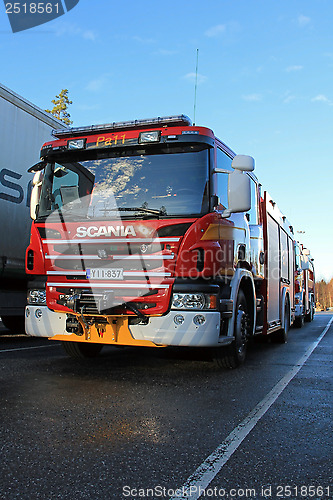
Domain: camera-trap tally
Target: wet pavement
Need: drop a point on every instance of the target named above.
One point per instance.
(136, 423)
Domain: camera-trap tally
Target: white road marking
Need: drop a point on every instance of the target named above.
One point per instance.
(26, 348)
(195, 485)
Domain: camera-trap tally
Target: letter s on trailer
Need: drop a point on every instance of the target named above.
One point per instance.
(154, 233)
(23, 128)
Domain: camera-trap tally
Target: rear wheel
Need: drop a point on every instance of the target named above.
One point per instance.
(299, 321)
(310, 315)
(234, 354)
(82, 350)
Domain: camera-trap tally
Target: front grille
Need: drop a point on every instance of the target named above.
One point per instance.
(109, 249)
(90, 303)
(140, 264)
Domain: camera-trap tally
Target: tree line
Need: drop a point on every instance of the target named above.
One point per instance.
(324, 294)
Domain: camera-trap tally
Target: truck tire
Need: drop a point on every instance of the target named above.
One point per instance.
(281, 336)
(14, 323)
(234, 354)
(310, 315)
(81, 350)
(299, 321)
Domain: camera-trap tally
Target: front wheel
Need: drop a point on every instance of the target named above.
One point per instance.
(234, 354)
(81, 350)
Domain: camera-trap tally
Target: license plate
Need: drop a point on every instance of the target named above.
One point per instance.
(105, 273)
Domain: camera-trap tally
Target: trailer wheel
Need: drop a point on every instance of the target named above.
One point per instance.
(81, 350)
(234, 354)
(281, 336)
(14, 323)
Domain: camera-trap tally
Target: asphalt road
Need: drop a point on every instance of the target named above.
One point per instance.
(145, 423)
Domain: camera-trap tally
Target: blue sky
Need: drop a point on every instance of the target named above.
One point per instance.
(265, 84)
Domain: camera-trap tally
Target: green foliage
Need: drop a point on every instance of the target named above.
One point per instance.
(61, 103)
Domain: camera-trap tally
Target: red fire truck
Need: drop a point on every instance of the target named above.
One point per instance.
(304, 286)
(154, 233)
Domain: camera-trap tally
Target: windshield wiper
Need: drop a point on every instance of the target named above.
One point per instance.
(135, 209)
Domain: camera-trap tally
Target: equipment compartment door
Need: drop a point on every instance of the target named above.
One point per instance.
(273, 270)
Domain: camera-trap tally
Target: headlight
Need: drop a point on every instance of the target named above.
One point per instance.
(36, 297)
(193, 301)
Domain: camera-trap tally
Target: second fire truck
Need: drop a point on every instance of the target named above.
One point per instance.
(304, 286)
(154, 233)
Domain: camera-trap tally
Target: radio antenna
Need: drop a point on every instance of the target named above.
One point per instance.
(195, 87)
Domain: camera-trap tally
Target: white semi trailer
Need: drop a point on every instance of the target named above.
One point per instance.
(23, 128)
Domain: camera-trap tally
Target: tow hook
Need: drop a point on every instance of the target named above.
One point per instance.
(85, 324)
(136, 311)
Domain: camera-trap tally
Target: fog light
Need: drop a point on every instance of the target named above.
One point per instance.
(38, 313)
(27, 312)
(199, 319)
(179, 319)
(37, 297)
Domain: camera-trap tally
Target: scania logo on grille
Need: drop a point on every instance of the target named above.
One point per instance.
(107, 231)
(143, 248)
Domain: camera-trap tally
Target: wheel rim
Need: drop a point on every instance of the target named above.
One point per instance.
(286, 319)
(241, 331)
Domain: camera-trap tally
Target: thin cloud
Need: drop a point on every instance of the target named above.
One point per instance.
(97, 84)
(291, 69)
(303, 20)
(89, 35)
(192, 77)
(71, 29)
(252, 97)
(215, 31)
(143, 40)
(289, 98)
(322, 98)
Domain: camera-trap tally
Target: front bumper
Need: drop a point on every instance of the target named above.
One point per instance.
(164, 331)
(40, 321)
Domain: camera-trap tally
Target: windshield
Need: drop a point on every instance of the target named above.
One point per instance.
(170, 183)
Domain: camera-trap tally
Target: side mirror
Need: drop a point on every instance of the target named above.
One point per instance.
(35, 193)
(239, 185)
(306, 266)
(38, 166)
(243, 163)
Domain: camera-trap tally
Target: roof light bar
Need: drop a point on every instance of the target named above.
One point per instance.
(177, 120)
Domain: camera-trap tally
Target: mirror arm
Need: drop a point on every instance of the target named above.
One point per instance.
(221, 171)
(226, 213)
(37, 167)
